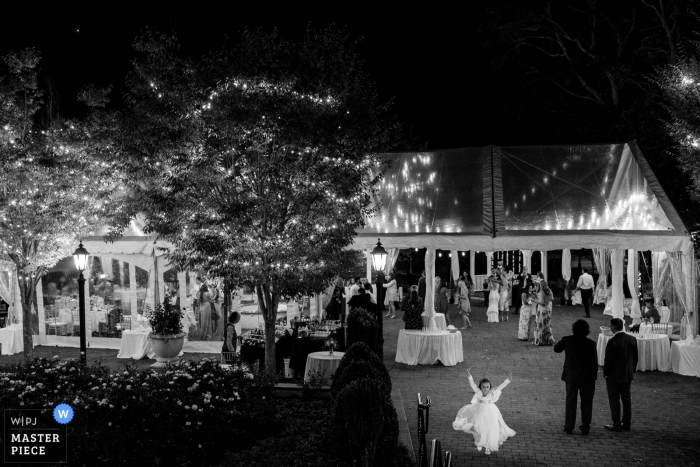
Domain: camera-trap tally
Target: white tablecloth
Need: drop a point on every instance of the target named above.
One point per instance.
(423, 348)
(135, 344)
(653, 353)
(646, 328)
(685, 358)
(439, 321)
(322, 364)
(11, 339)
(94, 317)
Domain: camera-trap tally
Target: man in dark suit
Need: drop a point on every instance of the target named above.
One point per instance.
(421, 286)
(618, 370)
(580, 373)
(362, 300)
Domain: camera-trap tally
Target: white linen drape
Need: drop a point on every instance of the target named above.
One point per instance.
(430, 287)
(393, 254)
(616, 259)
(601, 257)
(632, 276)
(368, 272)
(6, 293)
(566, 264)
(455, 264)
(527, 259)
(543, 262)
(675, 262)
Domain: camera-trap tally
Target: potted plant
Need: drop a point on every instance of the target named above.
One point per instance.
(166, 335)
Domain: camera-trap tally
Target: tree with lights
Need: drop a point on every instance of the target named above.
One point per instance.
(680, 84)
(46, 199)
(257, 163)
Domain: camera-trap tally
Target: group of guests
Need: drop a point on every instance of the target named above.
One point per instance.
(536, 311)
(206, 300)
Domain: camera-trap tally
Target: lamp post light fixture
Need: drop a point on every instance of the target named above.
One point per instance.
(81, 258)
(379, 256)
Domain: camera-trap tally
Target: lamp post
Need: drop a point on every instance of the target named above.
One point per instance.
(378, 262)
(81, 258)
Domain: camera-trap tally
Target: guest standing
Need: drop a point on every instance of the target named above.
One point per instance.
(334, 309)
(618, 370)
(494, 297)
(464, 304)
(580, 373)
(543, 325)
(586, 286)
(517, 290)
(441, 302)
(230, 335)
(503, 299)
(413, 311)
(392, 295)
(205, 315)
(528, 312)
(421, 286)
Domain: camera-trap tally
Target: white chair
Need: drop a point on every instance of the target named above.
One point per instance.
(665, 313)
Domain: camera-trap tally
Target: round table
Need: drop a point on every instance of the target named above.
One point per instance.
(685, 358)
(322, 364)
(94, 318)
(427, 348)
(439, 321)
(135, 344)
(654, 353)
(11, 339)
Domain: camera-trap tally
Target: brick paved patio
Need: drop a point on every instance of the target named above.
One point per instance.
(666, 406)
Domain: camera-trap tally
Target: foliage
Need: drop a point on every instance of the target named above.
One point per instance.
(361, 352)
(183, 415)
(356, 369)
(363, 412)
(165, 319)
(258, 162)
(681, 87)
(48, 198)
(308, 439)
(363, 327)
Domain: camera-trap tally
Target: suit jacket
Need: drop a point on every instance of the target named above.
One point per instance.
(421, 288)
(361, 301)
(621, 358)
(581, 362)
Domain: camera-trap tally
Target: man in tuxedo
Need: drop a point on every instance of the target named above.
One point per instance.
(519, 284)
(580, 373)
(362, 300)
(618, 370)
(421, 286)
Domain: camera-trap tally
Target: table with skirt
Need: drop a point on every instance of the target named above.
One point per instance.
(427, 348)
(654, 353)
(11, 339)
(135, 344)
(322, 364)
(685, 358)
(439, 321)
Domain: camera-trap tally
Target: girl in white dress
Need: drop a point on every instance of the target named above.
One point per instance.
(494, 297)
(481, 418)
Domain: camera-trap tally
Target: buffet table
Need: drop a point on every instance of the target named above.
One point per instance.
(11, 339)
(322, 364)
(135, 344)
(685, 358)
(654, 353)
(439, 321)
(427, 348)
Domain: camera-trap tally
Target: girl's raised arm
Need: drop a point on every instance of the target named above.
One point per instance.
(505, 383)
(475, 388)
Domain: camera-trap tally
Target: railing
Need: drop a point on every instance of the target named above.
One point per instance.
(436, 453)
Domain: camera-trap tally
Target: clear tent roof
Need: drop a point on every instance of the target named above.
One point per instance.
(603, 189)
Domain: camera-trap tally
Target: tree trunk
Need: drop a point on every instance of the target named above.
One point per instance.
(26, 288)
(268, 301)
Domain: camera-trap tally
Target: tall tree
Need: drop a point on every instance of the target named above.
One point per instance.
(47, 201)
(258, 162)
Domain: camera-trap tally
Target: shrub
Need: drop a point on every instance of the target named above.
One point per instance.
(403, 457)
(360, 414)
(356, 369)
(363, 327)
(166, 319)
(360, 351)
(389, 439)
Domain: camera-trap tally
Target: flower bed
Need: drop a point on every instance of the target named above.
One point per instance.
(191, 414)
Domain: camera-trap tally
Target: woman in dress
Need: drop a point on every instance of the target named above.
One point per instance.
(441, 302)
(504, 291)
(481, 418)
(494, 283)
(392, 295)
(205, 315)
(413, 311)
(543, 325)
(528, 310)
(231, 337)
(335, 305)
(464, 304)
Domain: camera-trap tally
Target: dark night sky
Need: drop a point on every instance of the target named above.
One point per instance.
(430, 61)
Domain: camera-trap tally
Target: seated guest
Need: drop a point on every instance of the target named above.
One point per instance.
(650, 313)
(413, 311)
(361, 300)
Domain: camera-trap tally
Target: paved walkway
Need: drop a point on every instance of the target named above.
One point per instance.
(666, 406)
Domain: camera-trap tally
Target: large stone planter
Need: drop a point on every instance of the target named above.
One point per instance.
(167, 348)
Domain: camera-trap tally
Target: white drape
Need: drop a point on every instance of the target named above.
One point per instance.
(472, 264)
(489, 262)
(393, 253)
(617, 260)
(543, 261)
(680, 269)
(690, 274)
(601, 257)
(455, 264)
(566, 264)
(368, 272)
(527, 260)
(632, 276)
(429, 287)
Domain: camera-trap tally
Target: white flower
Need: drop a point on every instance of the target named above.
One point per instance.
(188, 424)
(109, 424)
(187, 407)
(128, 386)
(194, 407)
